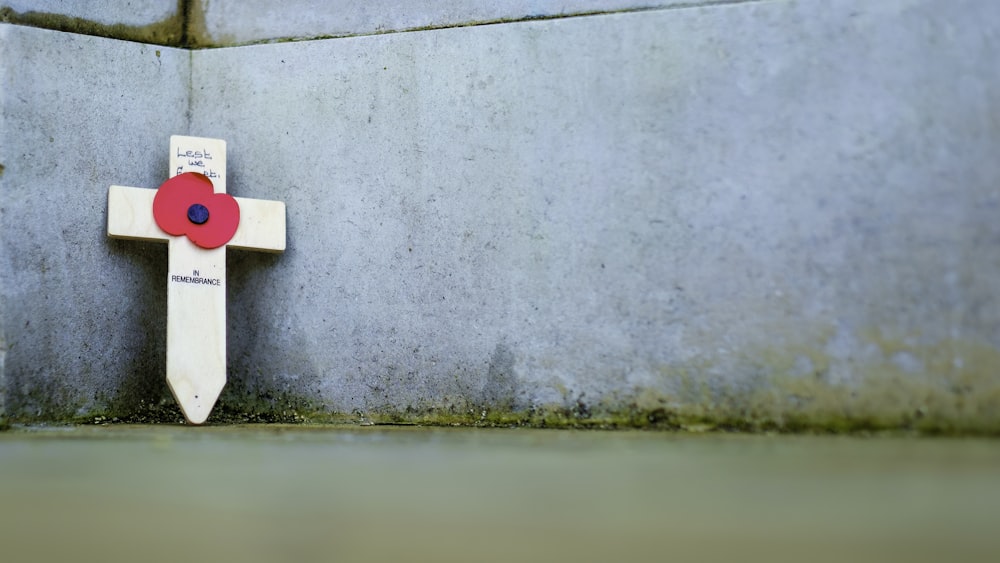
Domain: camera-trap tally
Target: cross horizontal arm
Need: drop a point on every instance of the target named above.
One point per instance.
(262, 225)
(130, 216)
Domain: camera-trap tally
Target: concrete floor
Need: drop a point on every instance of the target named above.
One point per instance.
(288, 493)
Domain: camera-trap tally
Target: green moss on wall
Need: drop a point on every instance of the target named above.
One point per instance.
(169, 32)
(902, 384)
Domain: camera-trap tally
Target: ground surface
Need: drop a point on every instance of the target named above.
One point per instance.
(287, 493)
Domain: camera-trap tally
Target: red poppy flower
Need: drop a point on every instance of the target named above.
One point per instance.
(188, 205)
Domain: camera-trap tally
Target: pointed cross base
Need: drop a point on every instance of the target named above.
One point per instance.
(196, 277)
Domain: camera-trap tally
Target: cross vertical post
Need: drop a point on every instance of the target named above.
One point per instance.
(196, 275)
(196, 314)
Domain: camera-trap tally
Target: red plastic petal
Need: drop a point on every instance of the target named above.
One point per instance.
(223, 219)
(171, 202)
(176, 195)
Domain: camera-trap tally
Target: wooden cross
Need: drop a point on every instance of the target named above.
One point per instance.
(196, 276)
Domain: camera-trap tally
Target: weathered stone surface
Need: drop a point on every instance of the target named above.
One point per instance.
(233, 22)
(151, 21)
(749, 209)
(765, 211)
(228, 23)
(135, 13)
(80, 315)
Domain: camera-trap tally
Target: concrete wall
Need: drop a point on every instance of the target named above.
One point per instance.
(133, 13)
(227, 23)
(79, 114)
(149, 21)
(235, 22)
(763, 213)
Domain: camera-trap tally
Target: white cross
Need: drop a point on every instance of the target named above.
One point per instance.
(196, 312)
